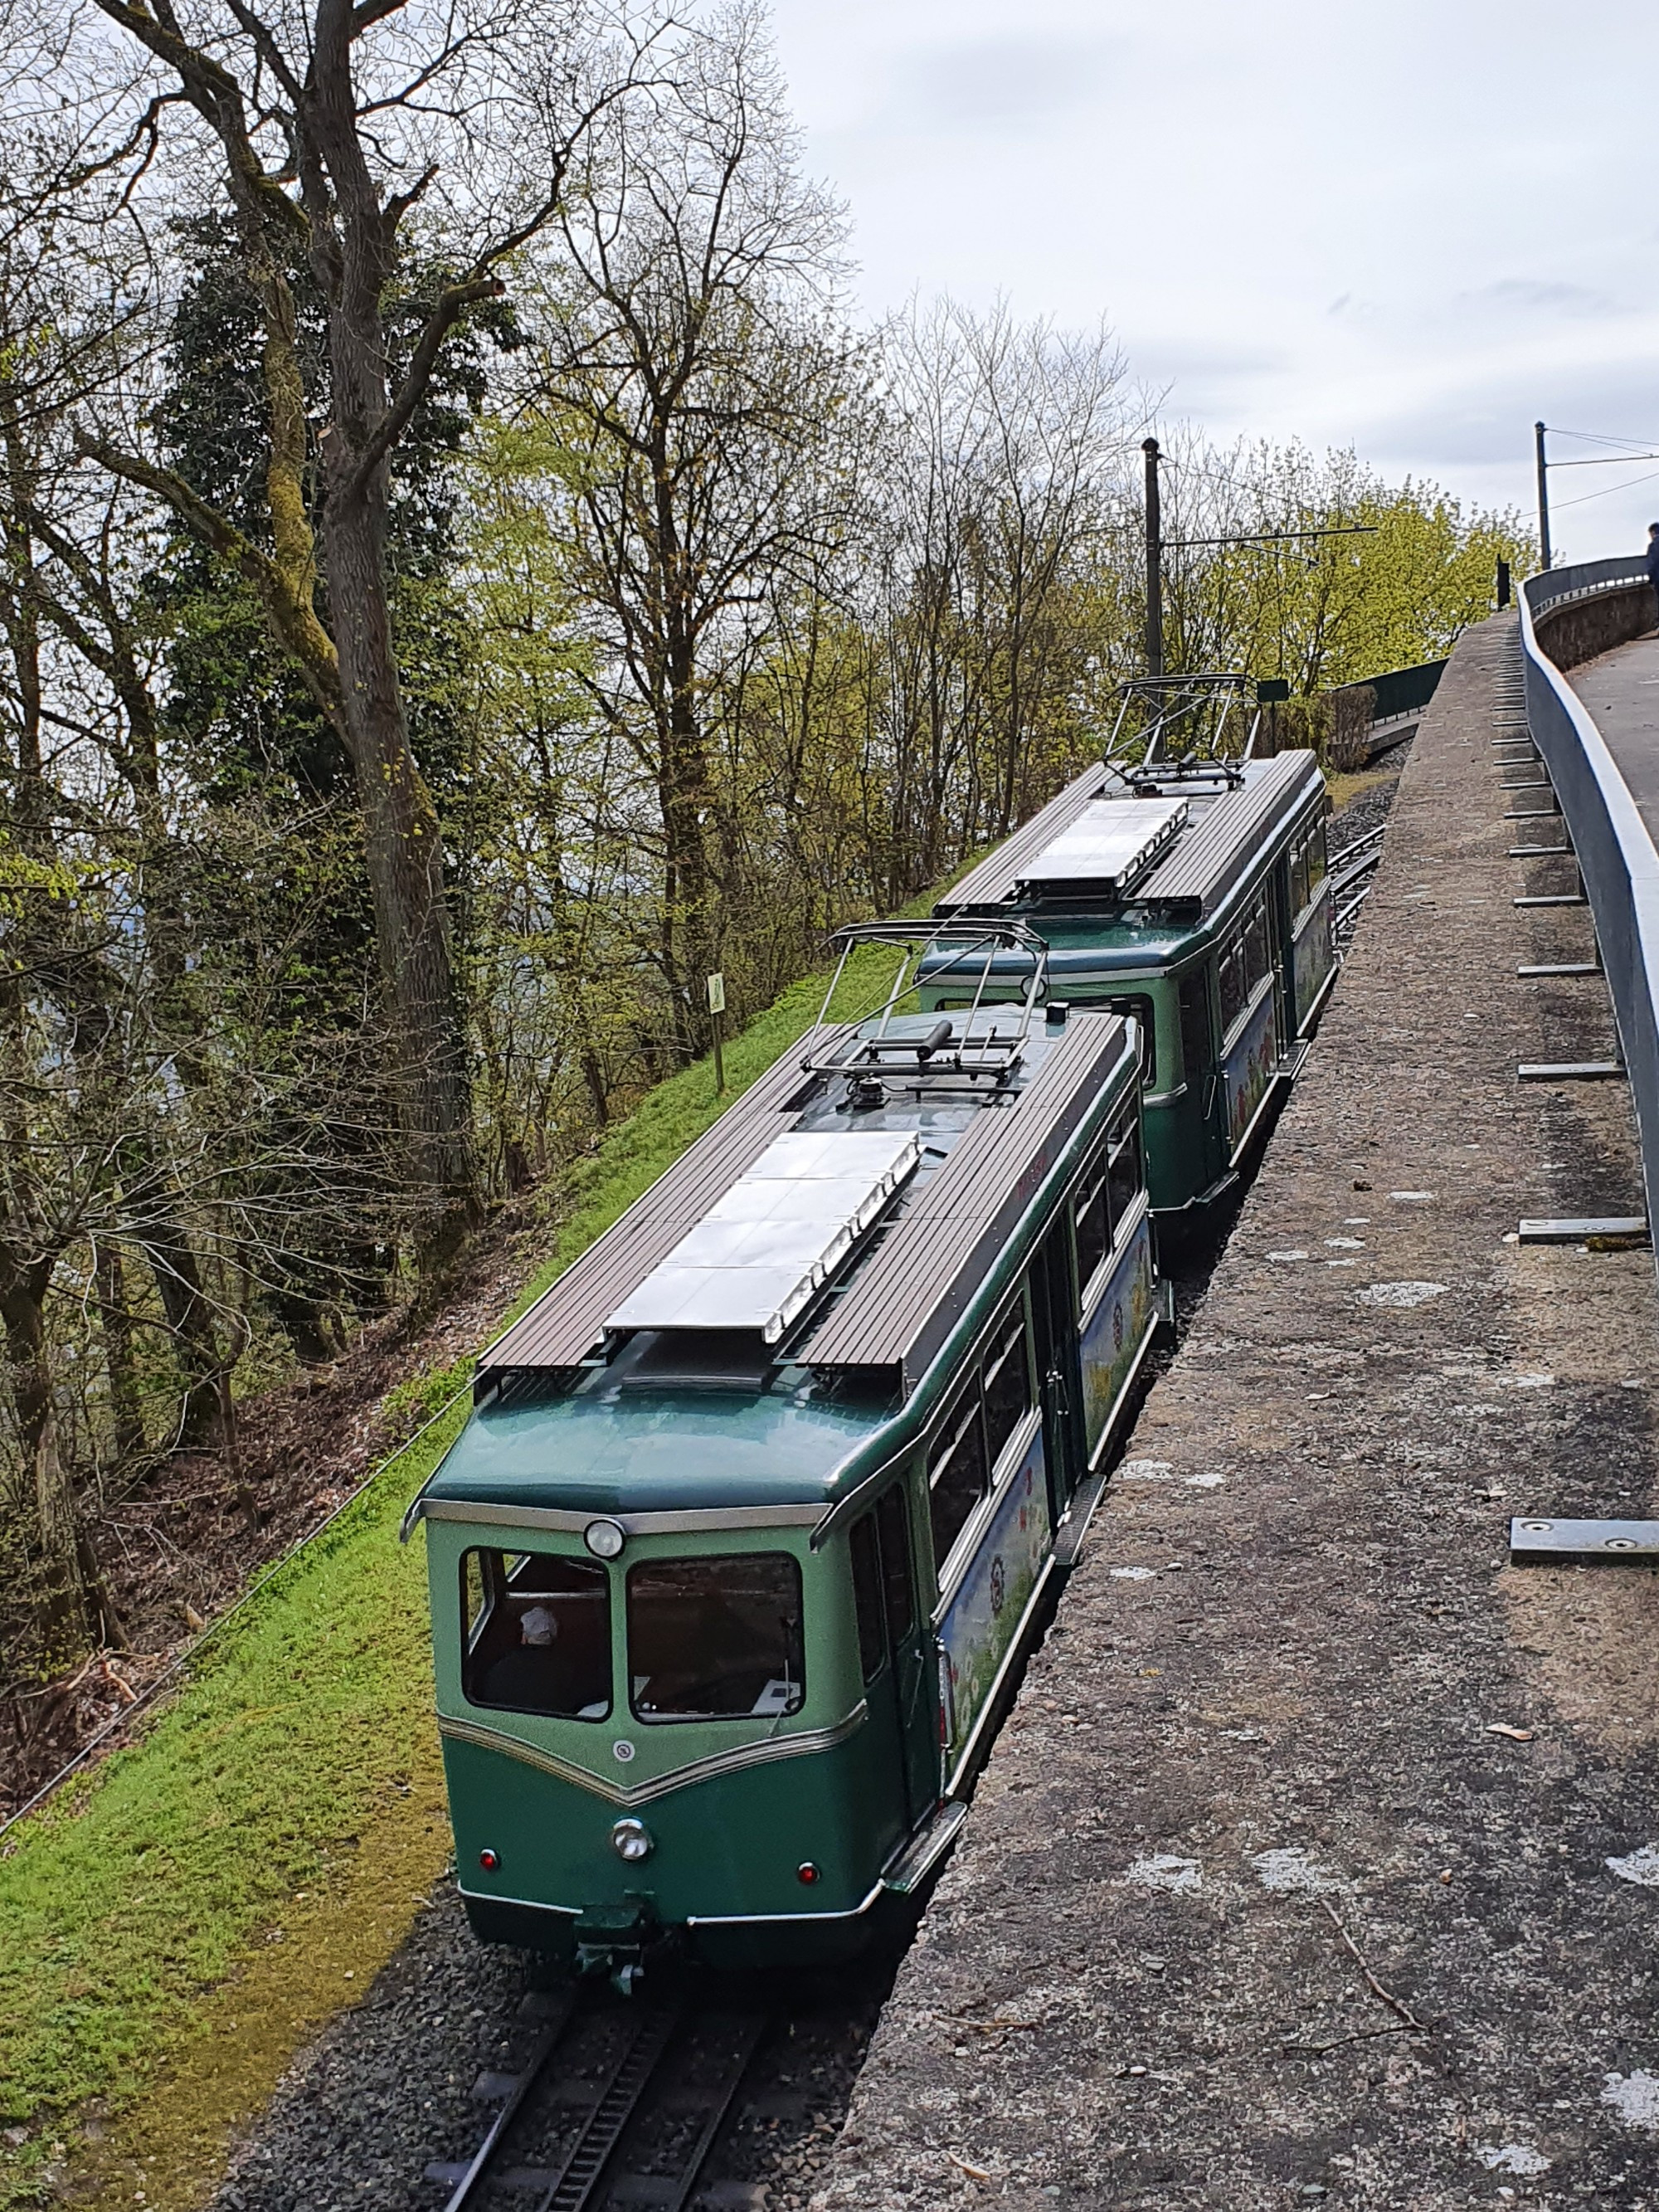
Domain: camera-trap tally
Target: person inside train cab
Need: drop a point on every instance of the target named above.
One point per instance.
(521, 1676)
(1653, 556)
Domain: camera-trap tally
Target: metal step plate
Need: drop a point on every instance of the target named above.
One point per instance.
(1535, 1541)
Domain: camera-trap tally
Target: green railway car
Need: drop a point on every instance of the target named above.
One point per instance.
(757, 1506)
(1194, 897)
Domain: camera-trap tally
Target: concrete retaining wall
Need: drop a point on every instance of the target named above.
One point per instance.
(1580, 629)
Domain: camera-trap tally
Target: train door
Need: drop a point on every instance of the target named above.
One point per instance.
(1200, 1071)
(894, 1653)
(1053, 1298)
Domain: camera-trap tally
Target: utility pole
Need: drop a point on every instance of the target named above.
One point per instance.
(1154, 563)
(1543, 495)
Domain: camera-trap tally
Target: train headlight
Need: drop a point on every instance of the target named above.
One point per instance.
(603, 1539)
(632, 1840)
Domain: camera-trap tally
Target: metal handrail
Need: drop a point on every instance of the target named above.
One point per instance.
(1615, 851)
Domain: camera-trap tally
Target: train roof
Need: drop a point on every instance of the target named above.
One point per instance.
(1167, 850)
(854, 1237)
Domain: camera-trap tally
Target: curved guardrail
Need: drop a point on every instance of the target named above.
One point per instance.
(1615, 852)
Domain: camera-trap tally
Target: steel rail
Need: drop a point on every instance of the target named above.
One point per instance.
(585, 2175)
(478, 2167)
(1615, 851)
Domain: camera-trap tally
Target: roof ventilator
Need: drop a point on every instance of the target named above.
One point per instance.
(1113, 845)
(767, 1246)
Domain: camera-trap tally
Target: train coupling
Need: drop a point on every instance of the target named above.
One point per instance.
(613, 1941)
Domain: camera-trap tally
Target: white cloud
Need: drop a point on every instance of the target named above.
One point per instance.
(1412, 228)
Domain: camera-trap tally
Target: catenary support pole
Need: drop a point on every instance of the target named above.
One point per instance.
(1154, 563)
(1543, 496)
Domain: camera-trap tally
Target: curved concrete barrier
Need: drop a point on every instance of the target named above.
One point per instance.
(1583, 611)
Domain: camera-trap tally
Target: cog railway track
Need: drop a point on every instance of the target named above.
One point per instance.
(616, 2103)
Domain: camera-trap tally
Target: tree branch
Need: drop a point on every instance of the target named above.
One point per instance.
(452, 303)
(291, 615)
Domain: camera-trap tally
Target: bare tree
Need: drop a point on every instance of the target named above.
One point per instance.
(331, 127)
(693, 365)
(1001, 499)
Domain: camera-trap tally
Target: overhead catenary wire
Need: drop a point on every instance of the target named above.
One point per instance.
(1607, 491)
(1596, 438)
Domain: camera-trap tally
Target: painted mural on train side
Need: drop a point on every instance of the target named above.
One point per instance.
(1112, 1333)
(1250, 1067)
(980, 1622)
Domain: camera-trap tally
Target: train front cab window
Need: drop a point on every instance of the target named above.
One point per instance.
(964, 1466)
(715, 1638)
(536, 1634)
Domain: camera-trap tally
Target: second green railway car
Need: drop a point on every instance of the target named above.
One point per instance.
(1197, 899)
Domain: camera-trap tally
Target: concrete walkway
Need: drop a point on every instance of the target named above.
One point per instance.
(1621, 690)
(1317, 1861)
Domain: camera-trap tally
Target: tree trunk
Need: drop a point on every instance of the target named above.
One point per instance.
(405, 873)
(353, 261)
(202, 1423)
(60, 1605)
(125, 1405)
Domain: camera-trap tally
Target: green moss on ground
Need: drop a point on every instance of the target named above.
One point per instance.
(151, 1882)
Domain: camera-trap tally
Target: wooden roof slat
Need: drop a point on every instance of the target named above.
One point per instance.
(1203, 864)
(569, 1319)
(1210, 854)
(903, 1302)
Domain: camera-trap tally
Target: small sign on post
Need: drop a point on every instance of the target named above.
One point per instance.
(717, 1009)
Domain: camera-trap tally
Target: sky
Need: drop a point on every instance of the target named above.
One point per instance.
(1414, 228)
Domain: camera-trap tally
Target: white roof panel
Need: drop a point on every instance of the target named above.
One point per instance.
(1113, 843)
(770, 1242)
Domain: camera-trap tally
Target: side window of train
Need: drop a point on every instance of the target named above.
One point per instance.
(897, 1582)
(1195, 1023)
(1307, 865)
(958, 1473)
(1258, 946)
(475, 1597)
(1092, 1220)
(1125, 1173)
(537, 1633)
(1234, 989)
(867, 1595)
(1007, 1382)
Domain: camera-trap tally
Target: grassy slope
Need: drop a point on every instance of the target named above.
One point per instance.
(154, 1880)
